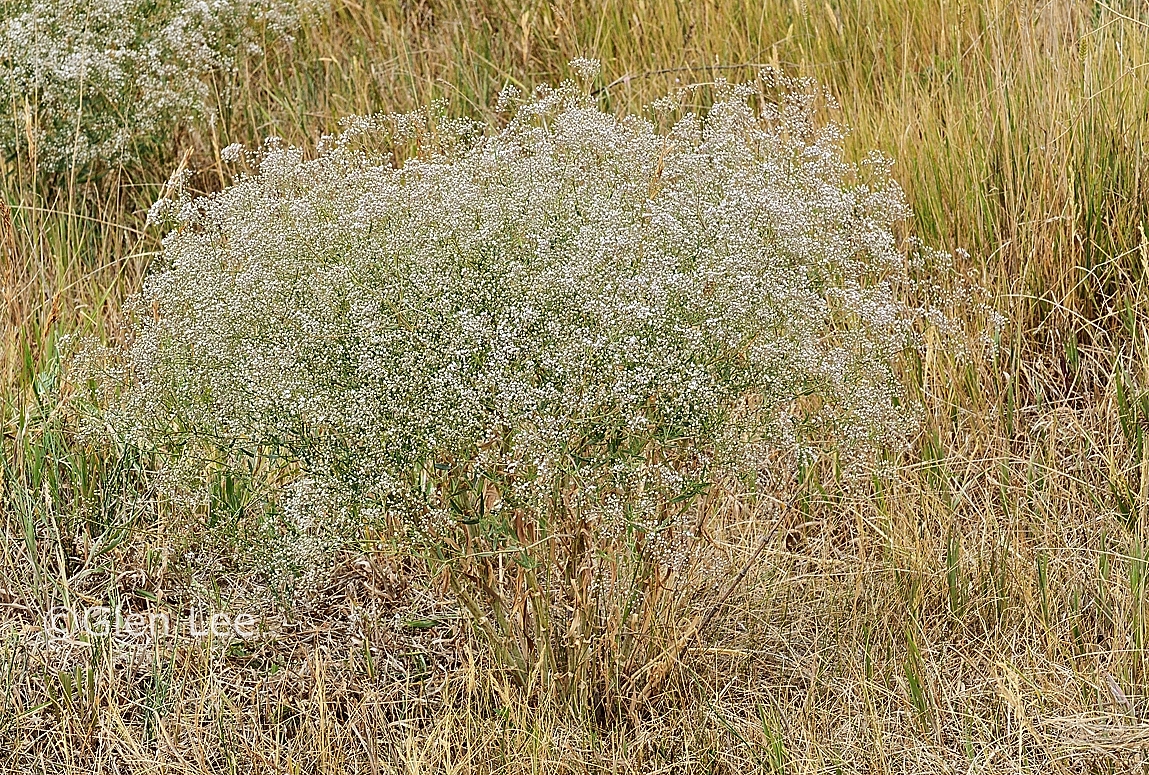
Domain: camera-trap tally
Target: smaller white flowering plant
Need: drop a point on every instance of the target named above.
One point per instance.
(84, 82)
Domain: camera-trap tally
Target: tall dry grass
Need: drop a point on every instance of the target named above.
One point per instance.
(983, 609)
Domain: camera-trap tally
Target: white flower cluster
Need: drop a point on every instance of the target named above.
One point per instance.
(87, 80)
(577, 312)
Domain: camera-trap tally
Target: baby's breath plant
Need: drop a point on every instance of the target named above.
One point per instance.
(100, 80)
(527, 351)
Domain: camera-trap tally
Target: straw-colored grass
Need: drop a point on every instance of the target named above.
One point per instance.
(983, 609)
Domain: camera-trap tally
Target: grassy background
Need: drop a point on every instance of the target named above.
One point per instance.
(984, 609)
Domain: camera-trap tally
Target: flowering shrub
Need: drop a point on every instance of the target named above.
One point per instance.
(86, 80)
(527, 351)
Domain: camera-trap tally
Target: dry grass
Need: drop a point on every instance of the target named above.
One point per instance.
(982, 609)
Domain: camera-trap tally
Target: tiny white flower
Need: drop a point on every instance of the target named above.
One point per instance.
(232, 153)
